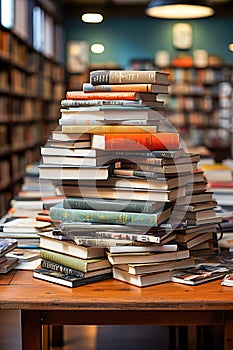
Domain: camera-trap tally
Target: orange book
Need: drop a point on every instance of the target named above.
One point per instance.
(159, 141)
(102, 95)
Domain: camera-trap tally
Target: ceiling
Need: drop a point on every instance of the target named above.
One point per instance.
(129, 8)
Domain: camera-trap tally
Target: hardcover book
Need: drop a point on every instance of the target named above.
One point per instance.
(67, 280)
(100, 77)
(151, 88)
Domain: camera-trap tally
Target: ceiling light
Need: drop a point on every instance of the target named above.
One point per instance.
(179, 9)
(230, 47)
(92, 17)
(97, 48)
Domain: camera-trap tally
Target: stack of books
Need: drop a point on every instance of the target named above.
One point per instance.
(126, 183)
(7, 263)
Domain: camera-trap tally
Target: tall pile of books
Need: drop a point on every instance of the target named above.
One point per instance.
(127, 182)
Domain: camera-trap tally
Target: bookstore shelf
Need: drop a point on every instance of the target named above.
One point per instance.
(31, 86)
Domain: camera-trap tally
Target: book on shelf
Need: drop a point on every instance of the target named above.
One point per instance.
(151, 88)
(159, 141)
(199, 274)
(141, 280)
(48, 241)
(100, 77)
(69, 172)
(122, 193)
(57, 212)
(137, 269)
(67, 280)
(112, 205)
(46, 264)
(73, 262)
(145, 257)
(112, 114)
(110, 129)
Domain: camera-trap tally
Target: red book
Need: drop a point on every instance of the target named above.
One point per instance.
(159, 141)
(102, 95)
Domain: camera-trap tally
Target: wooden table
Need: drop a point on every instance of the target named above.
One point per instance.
(114, 303)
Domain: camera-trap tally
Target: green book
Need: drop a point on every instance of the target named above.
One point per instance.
(83, 265)
(111, 205)
(57, 212)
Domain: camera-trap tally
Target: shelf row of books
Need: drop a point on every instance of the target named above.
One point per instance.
(129, 190)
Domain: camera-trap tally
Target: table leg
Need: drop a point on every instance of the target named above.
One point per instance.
(31, 330)
(228, 331)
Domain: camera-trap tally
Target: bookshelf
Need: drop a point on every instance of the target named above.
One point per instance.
(31, 87)
(200, 106)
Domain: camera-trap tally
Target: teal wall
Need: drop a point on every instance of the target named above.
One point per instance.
(126, 39)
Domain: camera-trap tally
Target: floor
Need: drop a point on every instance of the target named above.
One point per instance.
(89, 337)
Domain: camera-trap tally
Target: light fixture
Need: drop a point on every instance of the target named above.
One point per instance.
(179, 9)
(92, 17)
(97, 48)
(230, 47)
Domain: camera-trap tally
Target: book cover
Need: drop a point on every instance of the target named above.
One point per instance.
(102, 95)
(199, 274)
(67, 280)
(151, 88)
(6, 245)
(57, 212)
(100, 77)
(76, 263)
(158, 141)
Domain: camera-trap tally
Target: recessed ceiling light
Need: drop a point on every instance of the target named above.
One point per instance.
(230, 46)
(97, 48)
(92, 17)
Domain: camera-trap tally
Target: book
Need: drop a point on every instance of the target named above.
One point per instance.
(103, 95)
(196, 198)
(128, 258)
(49, 241)
(227, 280)
(151, 88)
(142, 247)
(72, 151)
(159, 141)
(163, 154)
(6, 245)
(199, 274)
(111, 205)
(73, 272)
(76, 263)
(85, 139)
(69, 172)
(141, 280)
(217, 172)
(103, 102)
(136, 269)
(122, 193)
(67, 280)
(57, 212)
(76, 161)
(186, 158)
(72, 144)
(24, 254)
(8, 265)
(100, 77)
(203, 237)
(109, 129)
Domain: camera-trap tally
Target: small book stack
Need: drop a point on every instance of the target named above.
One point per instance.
(7, 263)
(66, 263)
(126, 183)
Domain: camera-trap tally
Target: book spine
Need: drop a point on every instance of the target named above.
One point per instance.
(102, 235)
(61, 268)
(60, 258)
(122, 77)
(87, 215)
(88, 87)
(81, 103)
(102, 95)
(109, 129)
(100, 204)
(138, 173)
(160, 141)
(155, 153)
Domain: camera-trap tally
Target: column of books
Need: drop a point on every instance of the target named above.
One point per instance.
(134, 199)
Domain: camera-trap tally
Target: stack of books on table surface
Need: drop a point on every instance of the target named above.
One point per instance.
(66, 263)
(126, 182)
(7, 263)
